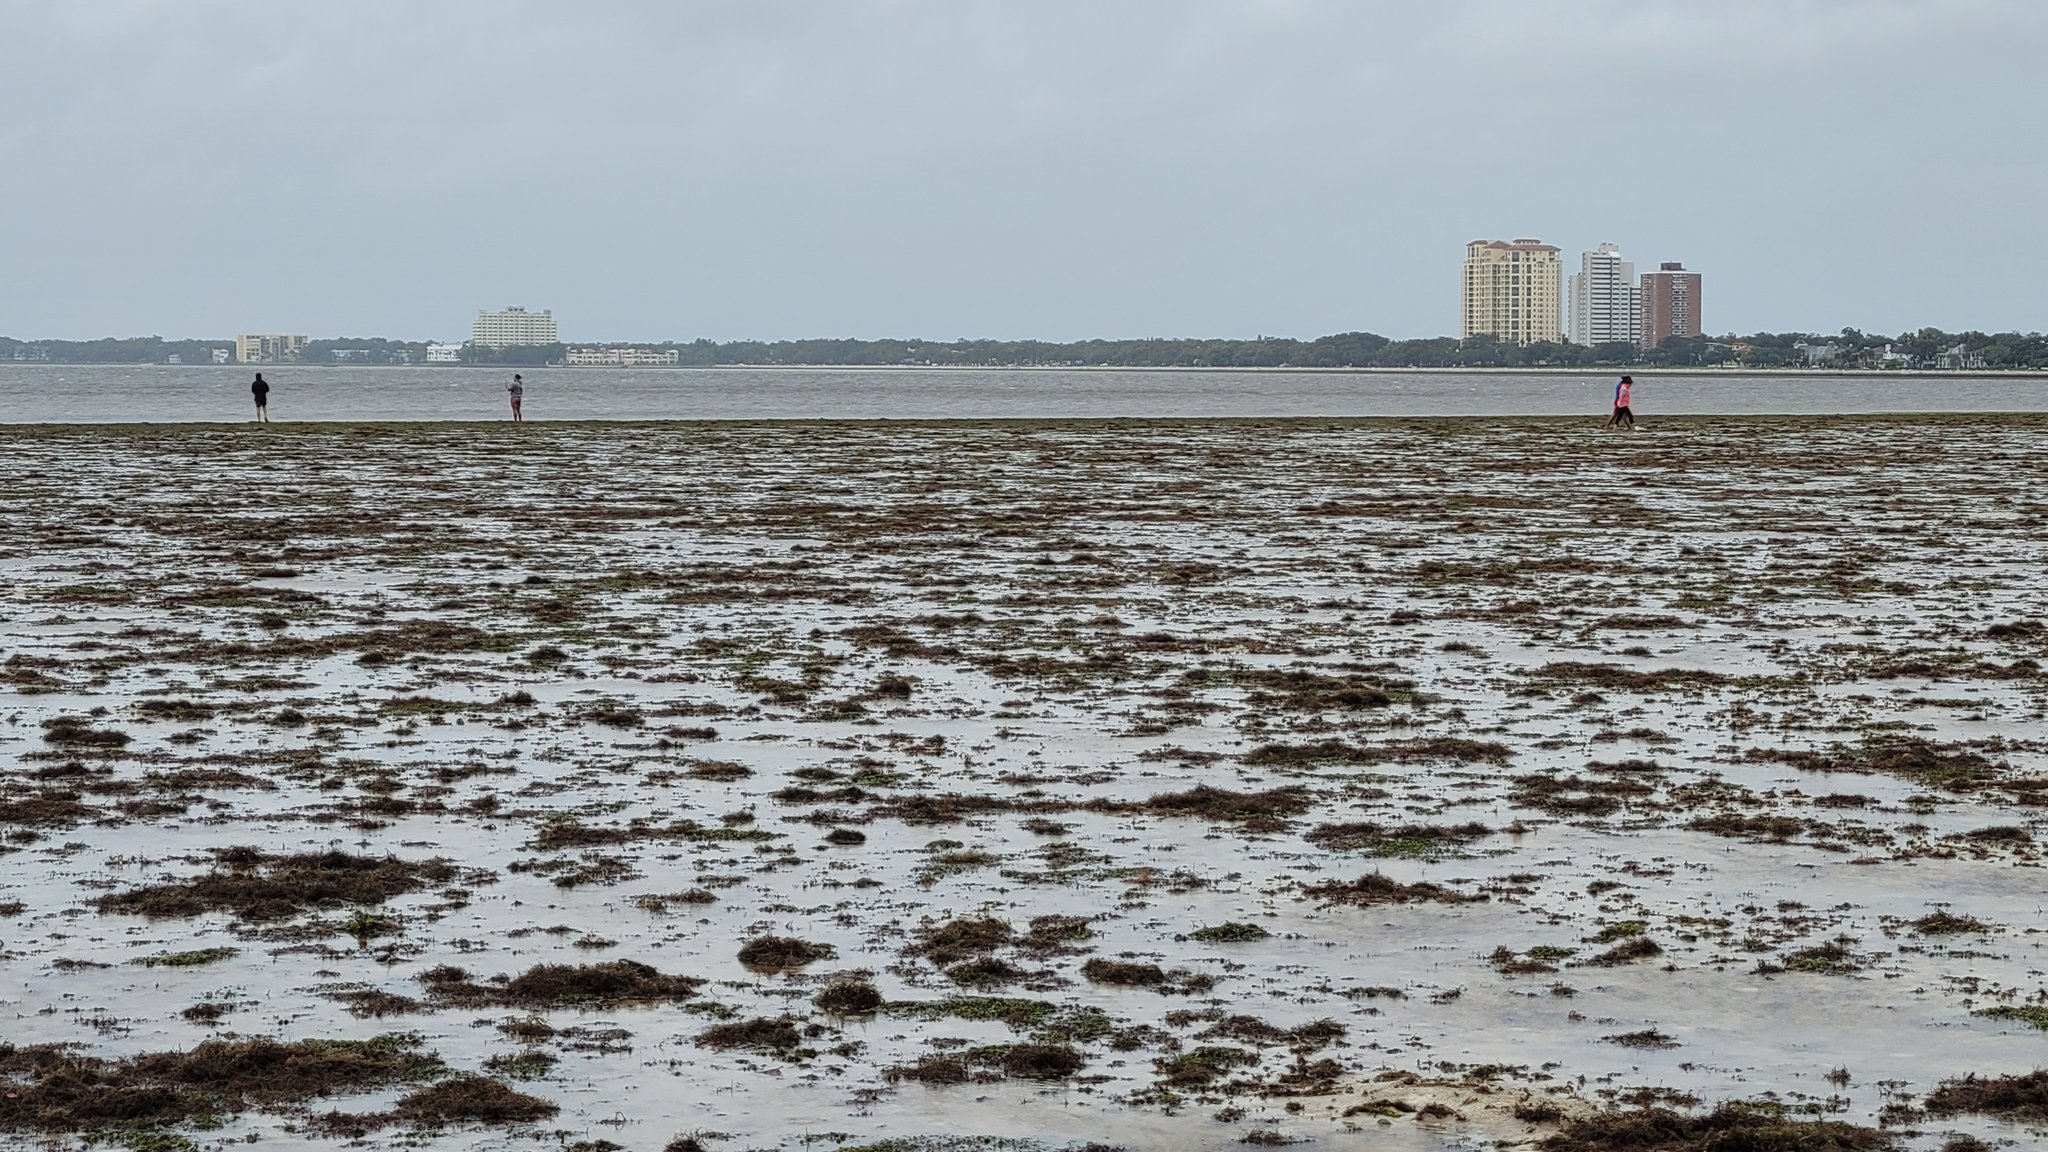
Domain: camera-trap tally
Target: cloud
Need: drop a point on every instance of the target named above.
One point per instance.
(1053, 169)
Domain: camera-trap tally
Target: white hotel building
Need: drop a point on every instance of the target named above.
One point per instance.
(513, 327)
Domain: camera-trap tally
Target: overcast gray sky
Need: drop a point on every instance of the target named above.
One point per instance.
(660, 169)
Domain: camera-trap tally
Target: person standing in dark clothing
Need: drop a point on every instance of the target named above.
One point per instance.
(261, 390)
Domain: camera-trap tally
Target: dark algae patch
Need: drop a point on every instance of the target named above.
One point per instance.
(1255, 811)
(1627, 952)
(1380, 839)
(560, 985)
(51, 1088)
(1232, 932)
(1947, 924)
(849, 998)
(1418, 750)
(1732, 1127)
(994, 1062)
(1039, 1061)
(2023, 1098)
(782, 952)
(465, 1099)
(1124, 972)
(78, 732)
(1202, 1066)
(1929, 763)
(259, 887)
(958, 940)
(761, 1032)
(1617, 677)
(48, 808)
(472, 1100)
(1378, 888)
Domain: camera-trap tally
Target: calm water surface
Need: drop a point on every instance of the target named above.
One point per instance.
(45, 393)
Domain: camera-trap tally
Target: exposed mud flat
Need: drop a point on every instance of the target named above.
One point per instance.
(1370, 784)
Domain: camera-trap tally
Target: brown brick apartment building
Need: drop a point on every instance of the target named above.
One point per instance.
(1671, 304)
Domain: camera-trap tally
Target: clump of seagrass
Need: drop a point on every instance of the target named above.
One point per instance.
(1730, 1126)
(963, 938)
(781, 952)
(2023, 1098)
(849, 998)
(552, 985)
(1266, 811)
(55, 1088)
(1378, 888)
(992, 1063)
(779, 1034)
(260, 887)
(457, 1100)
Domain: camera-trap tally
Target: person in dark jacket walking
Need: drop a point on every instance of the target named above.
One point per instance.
(261, 390)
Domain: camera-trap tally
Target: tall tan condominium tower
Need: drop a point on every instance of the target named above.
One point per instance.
(1671, 304)
(513, 326)
(1512, 291)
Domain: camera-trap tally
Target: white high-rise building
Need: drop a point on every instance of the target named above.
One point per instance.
(512, 327)
(1511, 291)
(1606, 304)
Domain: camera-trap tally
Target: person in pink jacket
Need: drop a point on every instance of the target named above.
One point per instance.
(1621, 399)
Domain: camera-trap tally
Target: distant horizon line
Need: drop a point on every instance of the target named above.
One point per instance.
(681, 342)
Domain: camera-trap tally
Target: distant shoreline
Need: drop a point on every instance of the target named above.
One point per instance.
(1589, 423)
(1662, 372)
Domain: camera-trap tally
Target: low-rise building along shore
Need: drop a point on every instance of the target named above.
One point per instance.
(622, 358)
(262, 348)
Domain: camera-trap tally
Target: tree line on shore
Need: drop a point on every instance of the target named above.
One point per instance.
(1849, 348)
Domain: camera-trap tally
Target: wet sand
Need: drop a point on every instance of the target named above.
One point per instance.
(1381, 783)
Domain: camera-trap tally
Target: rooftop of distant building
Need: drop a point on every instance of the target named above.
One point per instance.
(1515, 245)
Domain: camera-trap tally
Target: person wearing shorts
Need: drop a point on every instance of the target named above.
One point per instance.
(1622, 414)
(261, 391)
(516, 390)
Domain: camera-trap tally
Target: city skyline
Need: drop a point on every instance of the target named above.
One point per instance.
(1056, 171)
(1599, 304)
